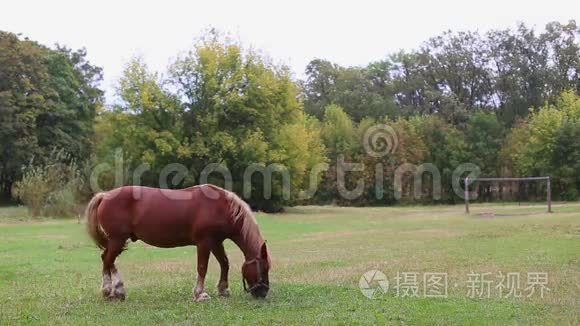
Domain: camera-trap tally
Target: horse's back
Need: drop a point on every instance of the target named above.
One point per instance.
(162, 217)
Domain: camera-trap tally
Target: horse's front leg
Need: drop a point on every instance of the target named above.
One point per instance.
(220, 254)
(199, 293)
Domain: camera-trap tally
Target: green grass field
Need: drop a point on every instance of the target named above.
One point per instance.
(50, 271)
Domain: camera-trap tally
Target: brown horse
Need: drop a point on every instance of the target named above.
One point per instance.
(203, 216)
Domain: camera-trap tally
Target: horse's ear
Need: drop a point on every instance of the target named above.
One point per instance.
(264, 251)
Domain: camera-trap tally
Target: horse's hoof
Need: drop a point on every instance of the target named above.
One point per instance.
(106, 292)
(224, 292)
(120, 294)
(202, 297)
(114, 294)
(116, 297)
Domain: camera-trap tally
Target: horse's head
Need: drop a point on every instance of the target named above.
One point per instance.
(255, 272)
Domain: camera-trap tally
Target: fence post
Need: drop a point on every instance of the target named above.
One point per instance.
(549, 195)
(466, 195)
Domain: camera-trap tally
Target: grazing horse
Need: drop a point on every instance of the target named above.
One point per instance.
(203, 216)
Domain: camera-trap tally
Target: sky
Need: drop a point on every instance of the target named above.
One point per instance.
(290, 32)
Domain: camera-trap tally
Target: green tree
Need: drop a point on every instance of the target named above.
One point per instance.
(446, 148)
(48, 99)
(218, 104)
(338, 132)
(361, 92)
(566, 160)
(545, 144)
(484, 137)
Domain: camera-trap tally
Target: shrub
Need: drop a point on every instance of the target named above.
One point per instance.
(52, 188)
(570, 194)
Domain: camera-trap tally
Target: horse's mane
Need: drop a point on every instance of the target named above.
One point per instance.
(240, 212)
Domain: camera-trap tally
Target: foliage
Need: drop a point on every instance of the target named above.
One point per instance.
(446, 149)
(454, 74)
(338, 132)
(484, 137)
(547, 143)
(53, 188)
(362, 92)
(566, 159)
(218, 104)
(48, 99)
(507, 101)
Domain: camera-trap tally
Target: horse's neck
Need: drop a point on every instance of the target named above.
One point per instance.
(250, 244)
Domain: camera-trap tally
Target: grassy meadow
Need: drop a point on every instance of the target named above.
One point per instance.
(50, 270)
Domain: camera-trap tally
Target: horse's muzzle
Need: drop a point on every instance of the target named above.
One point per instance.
(260, 291)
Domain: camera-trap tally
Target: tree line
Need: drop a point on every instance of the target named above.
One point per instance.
(48, 100)
(506, 101)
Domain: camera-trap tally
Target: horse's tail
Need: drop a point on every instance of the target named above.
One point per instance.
(93, 228)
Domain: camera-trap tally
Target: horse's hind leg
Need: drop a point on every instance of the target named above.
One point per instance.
(112, 283)
(107, 287)
(222, 258)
